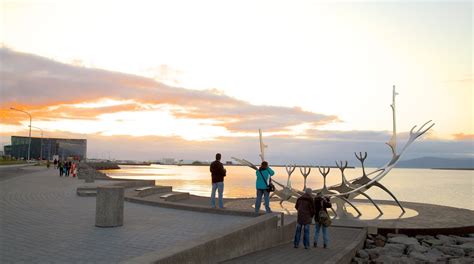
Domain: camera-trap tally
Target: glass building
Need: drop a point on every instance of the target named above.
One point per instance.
(46, 148)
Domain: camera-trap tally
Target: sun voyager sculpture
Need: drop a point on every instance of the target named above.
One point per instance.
(347, 190)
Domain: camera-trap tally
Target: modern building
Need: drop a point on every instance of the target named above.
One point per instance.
(46, 148)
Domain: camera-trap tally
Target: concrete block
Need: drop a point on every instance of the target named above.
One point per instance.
(109, 206)
(172, 197)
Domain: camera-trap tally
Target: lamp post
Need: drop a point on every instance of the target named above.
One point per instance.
(29, 135)
(41, 146)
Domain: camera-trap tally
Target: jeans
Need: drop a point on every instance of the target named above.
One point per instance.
(258, 202)
(325, 233)
(220, 188)
(298, 236)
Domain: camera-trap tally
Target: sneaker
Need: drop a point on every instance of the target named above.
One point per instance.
(325, 246)
(295, 246)
(315, 244)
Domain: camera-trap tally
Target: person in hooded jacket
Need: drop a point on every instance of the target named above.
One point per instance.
(263, 174)
(321, 202)
(305, 207)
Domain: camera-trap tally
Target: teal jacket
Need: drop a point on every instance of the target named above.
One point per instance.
(267, 173)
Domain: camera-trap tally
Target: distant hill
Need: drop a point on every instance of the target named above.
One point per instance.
(437, 163)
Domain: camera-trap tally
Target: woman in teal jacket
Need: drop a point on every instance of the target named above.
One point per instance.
(263, 180)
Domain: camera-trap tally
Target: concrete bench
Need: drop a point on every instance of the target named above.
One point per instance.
(175, 196)
(146, 191)
(109, 206)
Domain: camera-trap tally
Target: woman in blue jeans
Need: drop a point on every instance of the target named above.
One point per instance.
(263, 180)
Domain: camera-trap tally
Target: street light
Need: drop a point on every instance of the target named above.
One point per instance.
(29, 135)
(41, 146)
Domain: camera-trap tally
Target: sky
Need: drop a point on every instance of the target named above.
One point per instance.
(186, 79)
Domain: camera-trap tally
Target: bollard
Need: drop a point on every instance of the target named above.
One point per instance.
(109, 206)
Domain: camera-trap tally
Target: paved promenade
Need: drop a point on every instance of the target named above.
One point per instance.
(43, 220)
(342, 240)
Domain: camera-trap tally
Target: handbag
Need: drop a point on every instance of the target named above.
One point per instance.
(270, 187)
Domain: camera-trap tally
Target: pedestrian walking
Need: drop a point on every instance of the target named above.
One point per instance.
(323, 221)
(218, 172)
(67, 168)
(264, 174)
(74, 169)
(305, 207)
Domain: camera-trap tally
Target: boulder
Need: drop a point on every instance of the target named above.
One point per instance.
(434, 253)
(359, 261)
(424, 237)
(395, 249)
(380, 241)
(462, 240)
(375, 252)
(447, 240)
(452, 251)
(463, 260)
(417, 248)
(403, 240)
(390, 235)
(467, 247)
(420, 257)
(432, 242)
(392, 260)
(362, 254)
(369, 242)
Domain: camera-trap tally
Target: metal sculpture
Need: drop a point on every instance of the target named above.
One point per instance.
(305, 171)
(347, 190)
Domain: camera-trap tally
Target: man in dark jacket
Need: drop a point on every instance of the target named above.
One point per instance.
(217, 173)
(321, 203)
(305, 207)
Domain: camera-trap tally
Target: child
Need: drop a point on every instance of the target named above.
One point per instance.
(305, 207)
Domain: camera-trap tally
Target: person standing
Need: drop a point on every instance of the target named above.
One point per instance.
(321, 203)
(218, 172)
(60, 167)
(305, 207)
(264, 173)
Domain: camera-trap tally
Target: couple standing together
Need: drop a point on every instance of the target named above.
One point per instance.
(263, 174)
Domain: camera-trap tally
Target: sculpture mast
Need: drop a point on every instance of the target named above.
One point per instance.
(262, 146)
(393, 141)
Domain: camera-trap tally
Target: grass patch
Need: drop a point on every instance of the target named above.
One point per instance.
(11, 162)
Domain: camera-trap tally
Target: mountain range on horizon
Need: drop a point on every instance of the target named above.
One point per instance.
(437, 162)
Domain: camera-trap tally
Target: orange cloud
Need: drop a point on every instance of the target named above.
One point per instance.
(462, 136)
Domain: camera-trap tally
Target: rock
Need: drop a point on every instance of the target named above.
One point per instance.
(369, 242)
(420, 257)
(417, 248)
(462, 240)
(423, 237)
(447, 240)
(434, 254)
(395, 249)
(392, 260)
(362, 254)
(403, 240)
(370, 246)
(432, 242)
(471, 235)
(374, 252)
(464, 260)
(379, 242)
(467, 247)
(390, 235)
(357, 260)
(452, 251)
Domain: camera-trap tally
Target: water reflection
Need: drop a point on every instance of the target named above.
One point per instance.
(443, 187)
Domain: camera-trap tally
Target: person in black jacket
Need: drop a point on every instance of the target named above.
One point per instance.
(321, 203)
(217, 173)
(305, 207)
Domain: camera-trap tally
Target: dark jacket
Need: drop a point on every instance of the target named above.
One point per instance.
(217, 171)
(305, 208)
(321, 203)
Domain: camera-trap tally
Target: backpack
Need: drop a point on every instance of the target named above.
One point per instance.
(323, 217)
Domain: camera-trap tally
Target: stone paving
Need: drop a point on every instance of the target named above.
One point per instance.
(340, 239)
(43, 220)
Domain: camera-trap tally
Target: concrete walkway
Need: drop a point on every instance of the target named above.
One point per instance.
(43, 220)
(343, 242)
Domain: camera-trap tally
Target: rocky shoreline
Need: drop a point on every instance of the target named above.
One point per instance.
(400, 248)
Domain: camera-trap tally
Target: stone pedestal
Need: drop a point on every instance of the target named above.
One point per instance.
(109, 206)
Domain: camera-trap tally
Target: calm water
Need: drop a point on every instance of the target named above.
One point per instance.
(444, 187)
